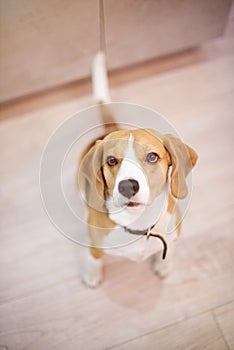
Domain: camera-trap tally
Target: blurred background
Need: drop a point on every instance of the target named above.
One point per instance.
(176, 57)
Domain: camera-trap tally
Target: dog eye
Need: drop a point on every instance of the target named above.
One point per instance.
(111, 161)
(152, 157)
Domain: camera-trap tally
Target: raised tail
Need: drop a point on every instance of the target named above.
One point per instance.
(101, 91)
(100, 78)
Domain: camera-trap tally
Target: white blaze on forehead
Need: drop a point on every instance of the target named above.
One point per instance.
(131, 169)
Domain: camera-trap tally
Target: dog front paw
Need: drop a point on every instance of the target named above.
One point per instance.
(92, 272)
(92, 279)
(161, 267)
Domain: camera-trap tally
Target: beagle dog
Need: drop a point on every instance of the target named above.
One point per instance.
(131, 180)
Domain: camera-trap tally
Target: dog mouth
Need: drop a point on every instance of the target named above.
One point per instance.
(133, 204)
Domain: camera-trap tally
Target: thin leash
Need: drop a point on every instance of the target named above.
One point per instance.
(148, 233)
(102, 32)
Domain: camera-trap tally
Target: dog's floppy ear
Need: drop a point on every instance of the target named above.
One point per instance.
(183, 158)
(90, 176)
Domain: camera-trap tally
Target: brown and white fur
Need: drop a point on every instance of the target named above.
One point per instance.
(131, 179)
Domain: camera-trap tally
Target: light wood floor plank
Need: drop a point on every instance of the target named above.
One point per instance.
(225, 318)
(198, 333)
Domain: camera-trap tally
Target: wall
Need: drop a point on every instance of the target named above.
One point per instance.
(48, 43)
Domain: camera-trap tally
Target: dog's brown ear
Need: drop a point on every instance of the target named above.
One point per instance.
(183, 158)
(90, 177)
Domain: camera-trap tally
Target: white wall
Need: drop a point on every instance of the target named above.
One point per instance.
(48, 43)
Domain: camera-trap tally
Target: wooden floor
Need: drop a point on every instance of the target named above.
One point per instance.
(43, 304)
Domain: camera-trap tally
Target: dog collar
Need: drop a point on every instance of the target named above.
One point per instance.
(148, 233)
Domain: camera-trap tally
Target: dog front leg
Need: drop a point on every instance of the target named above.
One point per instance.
(163, 267)
(92, 269)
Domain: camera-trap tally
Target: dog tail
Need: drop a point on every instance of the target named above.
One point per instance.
(100, 79)
(101, 91)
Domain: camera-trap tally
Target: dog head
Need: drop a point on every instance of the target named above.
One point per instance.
(128, 169)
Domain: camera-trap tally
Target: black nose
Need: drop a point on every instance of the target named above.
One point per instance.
(128, 188)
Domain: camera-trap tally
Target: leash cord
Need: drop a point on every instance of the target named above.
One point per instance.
(102, 37)
(163, 241)
(148, 234)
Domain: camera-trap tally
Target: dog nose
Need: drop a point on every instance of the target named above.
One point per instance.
(128, 188)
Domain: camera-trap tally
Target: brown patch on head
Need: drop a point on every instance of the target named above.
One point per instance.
(182, 159)
(156, 173)
(95, 177)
